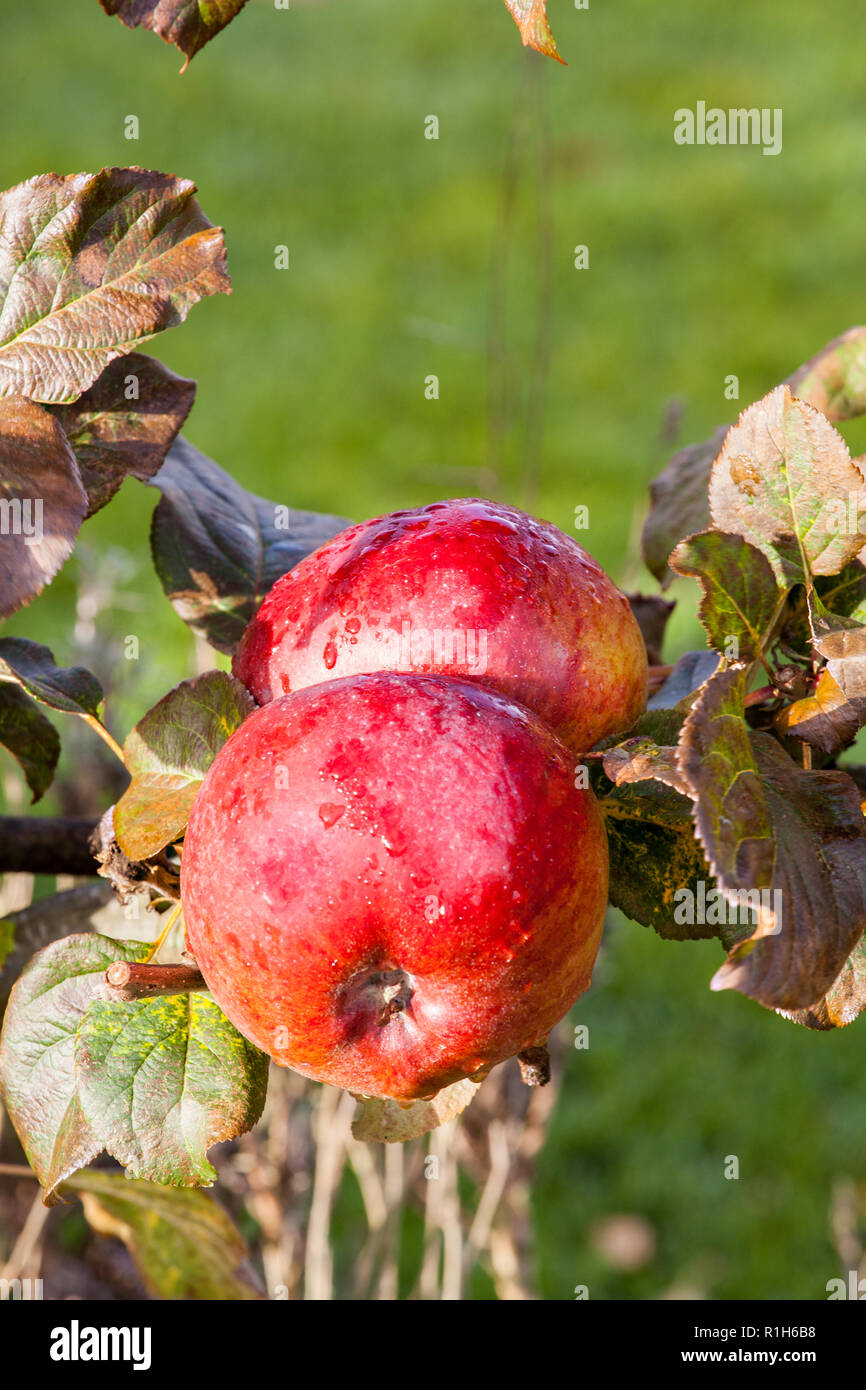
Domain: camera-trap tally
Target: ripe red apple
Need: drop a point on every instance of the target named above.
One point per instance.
(390, 881)
(466, 588)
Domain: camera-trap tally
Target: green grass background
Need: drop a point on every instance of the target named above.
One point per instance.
(412, 257)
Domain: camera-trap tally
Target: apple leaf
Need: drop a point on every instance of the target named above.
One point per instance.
(89, 907)
(844, 1001)
(651, 613)
(388, 1122)
(679, 504)
(783, 481)
(125, 424)
(31, 738)
(768, 826)
(741, 599)
(641, 759)
(688, 675)
(71, 689)
(530, 17)
(183, 1243)
(218, 549)
(159, 1081)
(37, 1051)
(42, 500)
(843, 595)
(834, 381)
(655, 858)
(188, 24)
(168, 753)
(90, 266)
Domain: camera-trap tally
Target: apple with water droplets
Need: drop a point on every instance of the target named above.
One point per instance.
(390, 881)
(465, 588)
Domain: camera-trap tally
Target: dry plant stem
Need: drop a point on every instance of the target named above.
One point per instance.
(47, 845)
(488, 1204)
(395, 1189)
(16, 1170)
(27, 1240)
(332, 1128)
(104, 735)
(170, 921)
(129, 980)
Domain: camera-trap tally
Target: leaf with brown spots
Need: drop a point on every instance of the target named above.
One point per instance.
(783, 481)
(42, 501)
(90, 266)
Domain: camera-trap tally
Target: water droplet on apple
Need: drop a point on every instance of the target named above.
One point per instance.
(330, 812)
(330, 656)
(353, 624)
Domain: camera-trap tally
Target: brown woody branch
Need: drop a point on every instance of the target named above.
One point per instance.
(128, 980)
(45, 845)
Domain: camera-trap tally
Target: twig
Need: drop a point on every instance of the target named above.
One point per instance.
(46, 845)
(27, 1240)
(16, 1170)
(129, 980)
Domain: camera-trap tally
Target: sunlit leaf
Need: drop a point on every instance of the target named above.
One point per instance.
(188, 24)
(90, 266)
(168, 753)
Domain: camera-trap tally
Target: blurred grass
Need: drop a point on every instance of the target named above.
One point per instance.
(306, 128)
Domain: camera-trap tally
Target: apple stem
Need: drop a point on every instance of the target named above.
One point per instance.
(534, 1065)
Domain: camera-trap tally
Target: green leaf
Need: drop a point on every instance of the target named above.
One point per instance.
(741, 599)
(161, 1080)
(7, 940)
(218, 549)
(766, 824)
(168, 753)
(783, 480)
(71, 689)
(31, 738)
(37, 1051)
(42, 500)
(679, 504)
(188, 24)
(125, 424)
(183, 1243)
(388, 1122)
(90, 266)
(89, 907)
(530, 17)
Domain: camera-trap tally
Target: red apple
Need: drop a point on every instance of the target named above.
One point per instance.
(465, 588)
(390, 882)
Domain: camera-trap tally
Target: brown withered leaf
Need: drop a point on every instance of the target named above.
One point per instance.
(783, 480)
(769, 826)
(42, 501)
(531, 19)
(826, 719)
(125, 424)
(188, 24)
(387, 1122)
(90, 266)
(641, 759)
